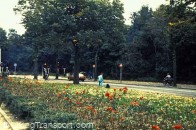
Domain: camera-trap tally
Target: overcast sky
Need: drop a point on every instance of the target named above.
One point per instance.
(9, 20)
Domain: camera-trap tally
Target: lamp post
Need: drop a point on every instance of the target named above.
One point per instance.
(94, 71)
(120, 66)
(48, 70)
(15, 65)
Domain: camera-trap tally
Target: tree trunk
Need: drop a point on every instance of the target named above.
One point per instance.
(174, 66)
(76, 65)
(57, 69)
(96, 57)
(35, 70)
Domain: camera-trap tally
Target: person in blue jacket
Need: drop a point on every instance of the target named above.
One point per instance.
(100, 79)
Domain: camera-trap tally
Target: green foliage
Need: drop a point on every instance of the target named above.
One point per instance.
(32, 109)
(3, 37)
(128, 108)
(80, 33)
(155, 36)
(54, 117)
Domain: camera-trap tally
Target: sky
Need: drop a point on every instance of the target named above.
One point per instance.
(10, 20)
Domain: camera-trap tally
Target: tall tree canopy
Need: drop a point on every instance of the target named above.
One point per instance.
(56, 23)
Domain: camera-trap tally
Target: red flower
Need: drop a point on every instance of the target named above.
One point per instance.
(109, 109)
(177, 127)
(125, 91)
(59, 95)
(110, 97)
(77, 103)
(107, 94)
(155, 127)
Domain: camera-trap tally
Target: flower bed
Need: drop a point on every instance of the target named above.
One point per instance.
(114, 108)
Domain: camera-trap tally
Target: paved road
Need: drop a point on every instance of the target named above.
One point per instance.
(168, 90)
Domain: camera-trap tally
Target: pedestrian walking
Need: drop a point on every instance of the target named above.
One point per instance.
(100, 79)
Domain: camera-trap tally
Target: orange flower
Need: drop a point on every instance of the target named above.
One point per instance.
(76, 92)
(177, 127)
(121, 119)
(107, 94)
(114, 89)
(89, 107)
(193, 111)
(134, 103)
(155, 127)
(141, 98)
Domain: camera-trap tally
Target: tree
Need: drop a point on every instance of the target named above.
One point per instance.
(180, 13)
(71, 22)
(18, 51)
(140, 52)
(3, 40)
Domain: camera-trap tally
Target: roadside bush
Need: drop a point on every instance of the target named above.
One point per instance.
(23, 107)
(33, 110)
(50, 116)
